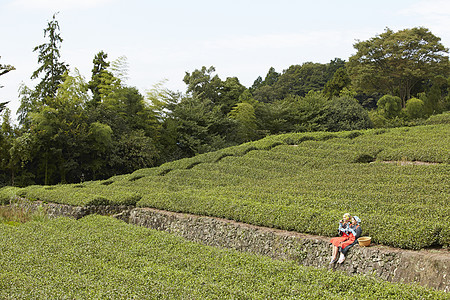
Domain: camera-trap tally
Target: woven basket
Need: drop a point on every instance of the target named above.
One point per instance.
(364, 241)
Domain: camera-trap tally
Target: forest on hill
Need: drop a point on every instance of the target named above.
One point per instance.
(72, 130)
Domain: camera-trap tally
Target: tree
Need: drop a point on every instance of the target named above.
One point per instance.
(203, 84)
(133, 151)
(263, 90)
(244, 114)
(2, 106)
(390, 106)
(345, 113)
(100, 142)
(271, 77)
(337, 83)
(309, 112)
(200, 126)
(296, 80)
(256, 84)
(61, 131)
(5, 69)
(395, 62)
(415, 108)
(100, 75)
(131, 108)
(229, 94)
(6, 140)
(333, 66)
(53, 70)
(28, 104)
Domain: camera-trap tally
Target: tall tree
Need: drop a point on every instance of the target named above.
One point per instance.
(50, 65)
(99, 76)
(395, 62)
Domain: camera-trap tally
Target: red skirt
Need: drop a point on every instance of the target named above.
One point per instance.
(343, 241)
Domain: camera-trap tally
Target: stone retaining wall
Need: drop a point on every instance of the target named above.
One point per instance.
(54, 210)
(428, 268)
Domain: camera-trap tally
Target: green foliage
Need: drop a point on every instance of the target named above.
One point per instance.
(201, 126)
(443, 118)
(60, 130)
(51, 67)
(337, 83)
(99, 257)
(301, 79)
(100, 74)
(390, 106)
(119, 68)
(134, 151)
(7, 194)
(297, 80)
(202, 84)
(415, 108)
(345, 113)
(396, 62)
(5, 69)
(244, 114)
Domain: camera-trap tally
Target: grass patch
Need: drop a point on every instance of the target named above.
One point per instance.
(15, 215)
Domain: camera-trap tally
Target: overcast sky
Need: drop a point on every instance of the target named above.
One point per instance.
(164, 39)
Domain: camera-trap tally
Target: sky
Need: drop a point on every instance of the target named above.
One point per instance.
(162, 40)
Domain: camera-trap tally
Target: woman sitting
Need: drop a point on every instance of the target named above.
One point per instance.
(343, 243)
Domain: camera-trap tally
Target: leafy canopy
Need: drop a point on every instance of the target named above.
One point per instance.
(395, 62)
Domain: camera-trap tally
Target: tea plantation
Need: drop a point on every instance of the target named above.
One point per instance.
(302, 182)
(103, 258)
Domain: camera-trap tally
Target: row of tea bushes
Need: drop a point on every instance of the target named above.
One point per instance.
(103, 258)
(80, 195)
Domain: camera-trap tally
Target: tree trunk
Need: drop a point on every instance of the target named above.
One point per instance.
(46, 170)
(12, 177)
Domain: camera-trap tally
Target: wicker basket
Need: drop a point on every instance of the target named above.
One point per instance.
(364, 241)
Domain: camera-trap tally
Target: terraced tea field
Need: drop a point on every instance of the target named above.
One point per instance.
(302, 182)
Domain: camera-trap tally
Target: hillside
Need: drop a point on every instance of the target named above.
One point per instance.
(396, 180)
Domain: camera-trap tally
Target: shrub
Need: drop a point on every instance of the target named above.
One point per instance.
(415, 108)
(390, 106)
